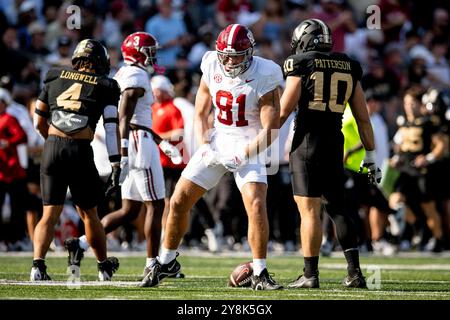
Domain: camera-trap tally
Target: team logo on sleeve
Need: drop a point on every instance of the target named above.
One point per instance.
(217, 78)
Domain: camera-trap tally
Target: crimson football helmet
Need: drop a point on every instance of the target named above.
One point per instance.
(235, 41)
(140, 48)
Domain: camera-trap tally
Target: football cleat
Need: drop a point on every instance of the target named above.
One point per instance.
(356, 281)
(76, 253)
(107, 268)
(264, 282)
(147, 270)
(39, 271)
(304, 282)
(160, 271)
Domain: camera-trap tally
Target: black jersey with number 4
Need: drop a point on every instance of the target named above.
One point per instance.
(328, 82)
(78, 96)
(415, 138)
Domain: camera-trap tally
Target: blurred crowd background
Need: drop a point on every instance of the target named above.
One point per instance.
(405, 55)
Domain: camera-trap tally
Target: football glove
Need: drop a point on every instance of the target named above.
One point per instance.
(113, 181)
(373, 172)
(210, 158)
(234, 162)
(171, 151)
(123, 169)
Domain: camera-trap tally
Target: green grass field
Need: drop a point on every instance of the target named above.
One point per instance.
(420, 278)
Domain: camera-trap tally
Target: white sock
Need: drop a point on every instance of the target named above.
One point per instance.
(150, 262)
(167, 255)
(83, 243)
(258, 266)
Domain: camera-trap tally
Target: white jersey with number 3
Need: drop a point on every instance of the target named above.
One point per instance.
(236, 99)
(135, 77)
(145, 180)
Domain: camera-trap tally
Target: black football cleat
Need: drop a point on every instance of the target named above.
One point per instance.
(39, 271)
(264, 282)
(179, 275)
(147, 270)
(160, 271)
(304, 282)
(76, 253)
(356, 281)
(107, 268)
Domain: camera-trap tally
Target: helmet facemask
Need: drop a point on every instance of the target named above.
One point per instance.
(150, 58)
(150, 54)
(234, 69)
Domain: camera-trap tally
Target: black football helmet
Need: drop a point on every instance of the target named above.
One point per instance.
(311, 34)
(95, 52)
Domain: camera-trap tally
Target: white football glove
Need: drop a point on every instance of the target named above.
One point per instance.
(373, 172)
(171, 151)
(234, 162)
(123, 169)
(210, 158)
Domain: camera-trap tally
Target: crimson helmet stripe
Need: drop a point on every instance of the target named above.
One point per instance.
(232, 36)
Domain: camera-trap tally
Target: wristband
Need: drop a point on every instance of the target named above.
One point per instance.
(124, 143)
(370, 156)
(430, 158)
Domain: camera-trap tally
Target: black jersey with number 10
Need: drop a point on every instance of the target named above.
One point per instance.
(328, 82)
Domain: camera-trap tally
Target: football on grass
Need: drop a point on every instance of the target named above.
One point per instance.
(241, 275)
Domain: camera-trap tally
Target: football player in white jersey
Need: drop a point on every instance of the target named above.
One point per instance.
(141, 176)
(243, 90)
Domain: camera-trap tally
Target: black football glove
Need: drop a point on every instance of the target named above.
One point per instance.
(113, 181)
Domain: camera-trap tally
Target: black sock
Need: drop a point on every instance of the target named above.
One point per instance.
(352, 257)
(38, 262)
(407, 233)
(311, 266)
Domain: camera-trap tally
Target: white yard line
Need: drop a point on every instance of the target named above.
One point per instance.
(235, 254)
(65, 284)
(444, 267)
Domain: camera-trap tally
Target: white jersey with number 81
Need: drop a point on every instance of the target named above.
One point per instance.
(236, 99)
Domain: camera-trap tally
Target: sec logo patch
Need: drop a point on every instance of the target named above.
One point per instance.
(217, 78)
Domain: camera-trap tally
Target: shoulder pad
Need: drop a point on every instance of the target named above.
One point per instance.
(435, 120)
(293, 65)
(53, 74)
(208, 57)
(268, 67)
(420, 121)
(108, 82)
(132, 77)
